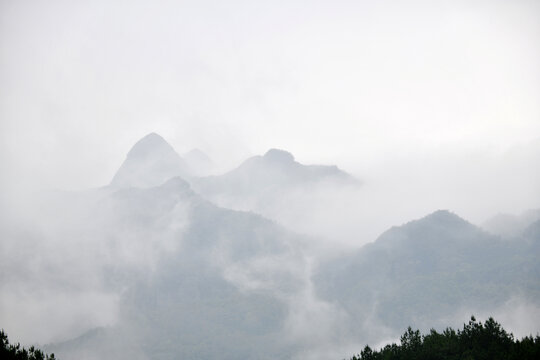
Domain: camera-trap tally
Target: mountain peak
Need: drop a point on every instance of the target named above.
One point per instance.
(279, 155)
(150, 162)
(445, 216)
(149, 144)
(443, 220)
(442, 213)
(439, 228)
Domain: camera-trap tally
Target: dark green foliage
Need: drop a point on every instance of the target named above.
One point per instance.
(477, 341)
(17, 352)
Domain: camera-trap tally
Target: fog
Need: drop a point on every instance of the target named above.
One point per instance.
(429, 105)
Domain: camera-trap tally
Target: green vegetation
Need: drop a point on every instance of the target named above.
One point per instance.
(17, 352)
(477, 341)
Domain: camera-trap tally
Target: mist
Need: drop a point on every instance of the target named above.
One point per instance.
(384, 113)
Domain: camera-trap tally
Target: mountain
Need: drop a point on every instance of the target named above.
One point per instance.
(183, 269)
(193, 280)
(160, 266)
(273, 171)
(431, 268)
(295, 195)
(150, 162)
(199, 164)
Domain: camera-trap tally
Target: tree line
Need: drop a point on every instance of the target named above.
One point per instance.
(476, 341)
(17, 352)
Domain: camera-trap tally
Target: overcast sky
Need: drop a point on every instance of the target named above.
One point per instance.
(344, 82)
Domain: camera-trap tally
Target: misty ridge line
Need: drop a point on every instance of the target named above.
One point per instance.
(153, 156)
(152, 161)
(260, 184)
(167, 255)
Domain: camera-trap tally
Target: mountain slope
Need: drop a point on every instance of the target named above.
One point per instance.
(429, 269)
(189, 279)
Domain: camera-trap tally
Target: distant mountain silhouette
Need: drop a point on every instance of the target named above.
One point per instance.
(195, 278)
(276, 170)
(284, 190)
(150, 162)
(430, 269)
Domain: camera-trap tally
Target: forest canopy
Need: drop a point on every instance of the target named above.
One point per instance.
(17, 352)
(477, 340)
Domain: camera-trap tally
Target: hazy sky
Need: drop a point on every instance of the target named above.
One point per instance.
(346, 82)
